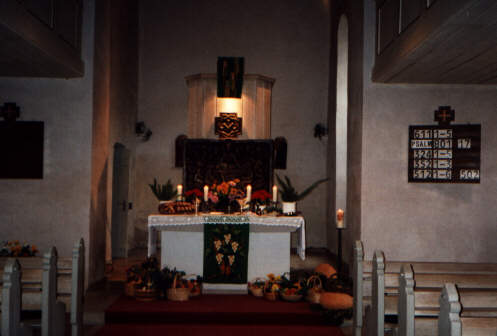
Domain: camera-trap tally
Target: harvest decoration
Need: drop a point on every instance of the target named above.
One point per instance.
(15, 249)
(144, 280)
(272, 284)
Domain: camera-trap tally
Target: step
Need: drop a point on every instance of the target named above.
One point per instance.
(211, 309)
(217, 330)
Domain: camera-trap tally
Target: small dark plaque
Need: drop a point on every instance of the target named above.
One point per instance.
(444, 153)
(21, 149)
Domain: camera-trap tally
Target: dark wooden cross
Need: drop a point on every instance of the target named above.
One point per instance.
(444, 115)
(10, 112)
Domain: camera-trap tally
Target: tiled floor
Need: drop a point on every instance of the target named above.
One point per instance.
(99, 298)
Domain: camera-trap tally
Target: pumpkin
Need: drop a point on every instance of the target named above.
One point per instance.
(334, 301)
(326, 269)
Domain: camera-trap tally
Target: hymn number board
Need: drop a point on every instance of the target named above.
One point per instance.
(444, 153)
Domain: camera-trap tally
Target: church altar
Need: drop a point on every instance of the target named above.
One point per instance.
(182, 243)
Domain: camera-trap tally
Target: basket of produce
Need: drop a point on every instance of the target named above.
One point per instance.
(176, 207)
(314, 289)
(143, 280)
(272, 287)
(256, 287)
(146, 293)
(291, 294)
(194, 283)
(292, 291)
(178, 291)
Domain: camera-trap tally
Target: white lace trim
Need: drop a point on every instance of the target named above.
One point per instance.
(162, 222)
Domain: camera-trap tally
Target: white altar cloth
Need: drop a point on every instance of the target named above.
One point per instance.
(257, 223)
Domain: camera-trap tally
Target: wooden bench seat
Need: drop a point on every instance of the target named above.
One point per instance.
(479, 307)
(477, 284)
(68, 277)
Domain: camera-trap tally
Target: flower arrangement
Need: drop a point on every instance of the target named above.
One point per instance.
(193, 194)
(230, 190)
(261, 196)
(224, 194)
(15, 249)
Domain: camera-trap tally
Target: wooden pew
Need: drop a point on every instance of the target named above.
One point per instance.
(69, 290)
(430, 277)
(44, 296)
(420, 306)
(451, 323)
(10, 300)
(358, 288)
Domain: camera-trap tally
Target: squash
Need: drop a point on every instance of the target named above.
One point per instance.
(334, 301)
(326, 269)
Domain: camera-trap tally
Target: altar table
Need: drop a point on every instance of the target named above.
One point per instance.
(182, 243)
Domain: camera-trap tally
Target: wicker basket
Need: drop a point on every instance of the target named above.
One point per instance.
(194, 291)
(257, 290)
(177, 294)
(271, 296)
(148, 294)
(129, 288)
(291, 297)
(315, 289)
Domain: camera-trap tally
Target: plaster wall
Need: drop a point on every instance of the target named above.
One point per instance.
(54, 211)
(284, 39)
(422, 221)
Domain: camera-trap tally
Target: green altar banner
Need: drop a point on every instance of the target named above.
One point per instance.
(226, 248)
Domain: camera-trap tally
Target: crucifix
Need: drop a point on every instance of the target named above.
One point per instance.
(444, 115)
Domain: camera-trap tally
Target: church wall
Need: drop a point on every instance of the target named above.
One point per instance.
(53, 211)
(423, 221)
(285, 40)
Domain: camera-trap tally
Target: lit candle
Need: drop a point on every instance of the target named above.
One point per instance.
(180, 190)
(275, 193)
(340, 224)
(206, 193)
(249, 193)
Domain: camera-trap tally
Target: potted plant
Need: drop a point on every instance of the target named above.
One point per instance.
(164, 192)
(290, 196)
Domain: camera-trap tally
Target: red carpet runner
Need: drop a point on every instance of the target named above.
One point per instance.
(219, 315)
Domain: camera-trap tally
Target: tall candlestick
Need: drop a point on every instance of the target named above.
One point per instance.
(206, 193)
(249, 193)
(340, 224)
(275, 193)
(180, 189)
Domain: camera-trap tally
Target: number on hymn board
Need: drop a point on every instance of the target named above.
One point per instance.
(421, 174)
(469, 174)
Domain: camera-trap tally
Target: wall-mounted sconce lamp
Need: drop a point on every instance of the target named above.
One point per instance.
(228, 123)
(142, 131)
(320, 131)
